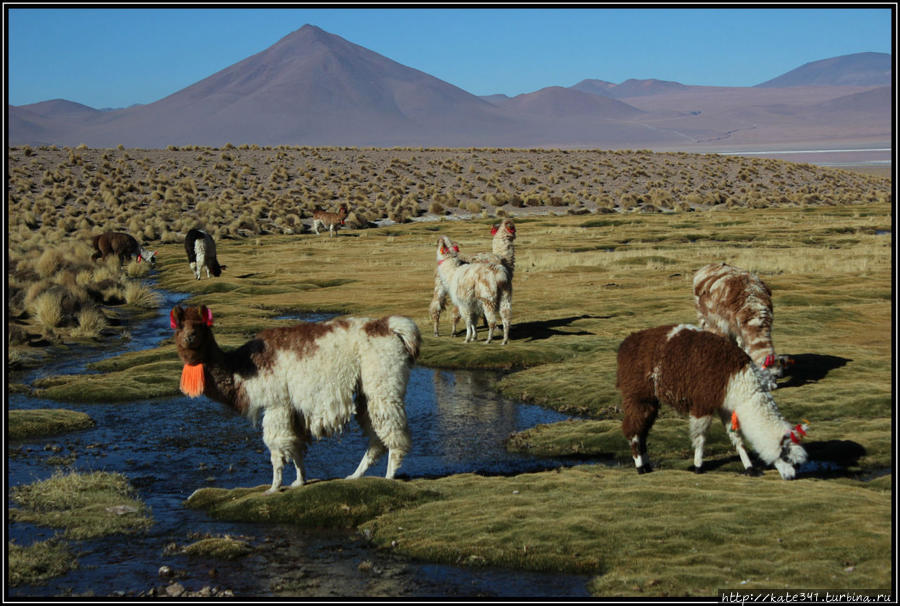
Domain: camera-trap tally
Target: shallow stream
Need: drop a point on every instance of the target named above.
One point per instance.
(169, 447)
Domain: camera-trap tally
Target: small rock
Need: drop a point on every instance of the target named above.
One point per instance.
(166, 571)
(121, 510)
(174, 590)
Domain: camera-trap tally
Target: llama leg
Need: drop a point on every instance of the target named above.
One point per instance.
(454, 320)
(737, 442)
(698, 427)
(490, 318)
(438, 302)
(316, 226)
(639, 418)
(279, 438)
(376, 447)
(297, 451)
(389, 423)
(505, 313)
(201, 261)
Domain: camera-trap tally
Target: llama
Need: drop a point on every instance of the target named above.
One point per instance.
(702, 374)
(302, 380)
(735, 303)
(201, 252)
(330, 220)
(502, 252)
(476, 288)
(122, 245)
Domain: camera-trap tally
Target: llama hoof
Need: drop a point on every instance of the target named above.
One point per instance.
(752, 472)
(644, 469)
(696, 469)
(271, 491)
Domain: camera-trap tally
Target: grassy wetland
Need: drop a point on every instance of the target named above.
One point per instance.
(607, 244)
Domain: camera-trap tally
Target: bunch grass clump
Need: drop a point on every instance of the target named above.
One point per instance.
(84, 505)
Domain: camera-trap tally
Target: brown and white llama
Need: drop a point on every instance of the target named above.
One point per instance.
(328, 219)
(122, 245)
(703, 375)
(302, 380)
(201, 253)
(476, 289)
(502, 252)
(737, 304)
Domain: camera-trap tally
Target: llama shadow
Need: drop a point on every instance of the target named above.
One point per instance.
(538, 331)
(826, 459)
(810, 368)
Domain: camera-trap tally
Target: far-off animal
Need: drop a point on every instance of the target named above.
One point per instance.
(329, 220)
(502, 252)
(476, 289)
(201, 253)
(703, 375)
(307, 381)
(737, 304)
(123, 245)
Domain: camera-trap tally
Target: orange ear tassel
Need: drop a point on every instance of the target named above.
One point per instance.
(192, 380)
(734, 421)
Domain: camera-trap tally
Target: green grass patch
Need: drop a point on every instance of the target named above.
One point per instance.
(653, 535)
(151, 380)
(85, 505)
(37, 423)
(325, 504)
(220, 548)
(39, 562)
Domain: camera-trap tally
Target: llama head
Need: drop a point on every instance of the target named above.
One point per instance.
(193, 332)
(506, 228)
(446, 248)
(147, 255)
(792, 453)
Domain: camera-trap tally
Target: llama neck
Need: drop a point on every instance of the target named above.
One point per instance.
(504, 248)
(219, 371)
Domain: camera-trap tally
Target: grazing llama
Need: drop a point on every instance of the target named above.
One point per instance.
(330, 220)
(702, 374)
(502, 252)
(302, 380)
(735, 303)
(476, 289)
(201, 252)
(122, 245)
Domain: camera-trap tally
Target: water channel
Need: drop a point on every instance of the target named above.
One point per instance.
(169, 447)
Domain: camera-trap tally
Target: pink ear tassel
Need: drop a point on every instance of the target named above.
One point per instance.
(207, 317)
(172, 319)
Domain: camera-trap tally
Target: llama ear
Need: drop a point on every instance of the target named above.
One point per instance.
(511, 228)
(206, 314)
(175, 317)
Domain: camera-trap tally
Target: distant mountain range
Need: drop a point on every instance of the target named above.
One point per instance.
(315, 88)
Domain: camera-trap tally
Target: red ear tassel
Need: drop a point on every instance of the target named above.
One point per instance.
(172, 319)
(456, 249)
(207, 316)
(511, 228)
(770, 360)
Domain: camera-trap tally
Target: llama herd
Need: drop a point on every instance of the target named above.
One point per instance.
(307, 381)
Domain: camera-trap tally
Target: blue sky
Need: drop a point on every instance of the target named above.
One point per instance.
(117, 57)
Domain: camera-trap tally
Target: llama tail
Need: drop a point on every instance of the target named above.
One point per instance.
(408, 332)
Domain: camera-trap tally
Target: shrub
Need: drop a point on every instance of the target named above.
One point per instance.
(140, 295)
(47, 309)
